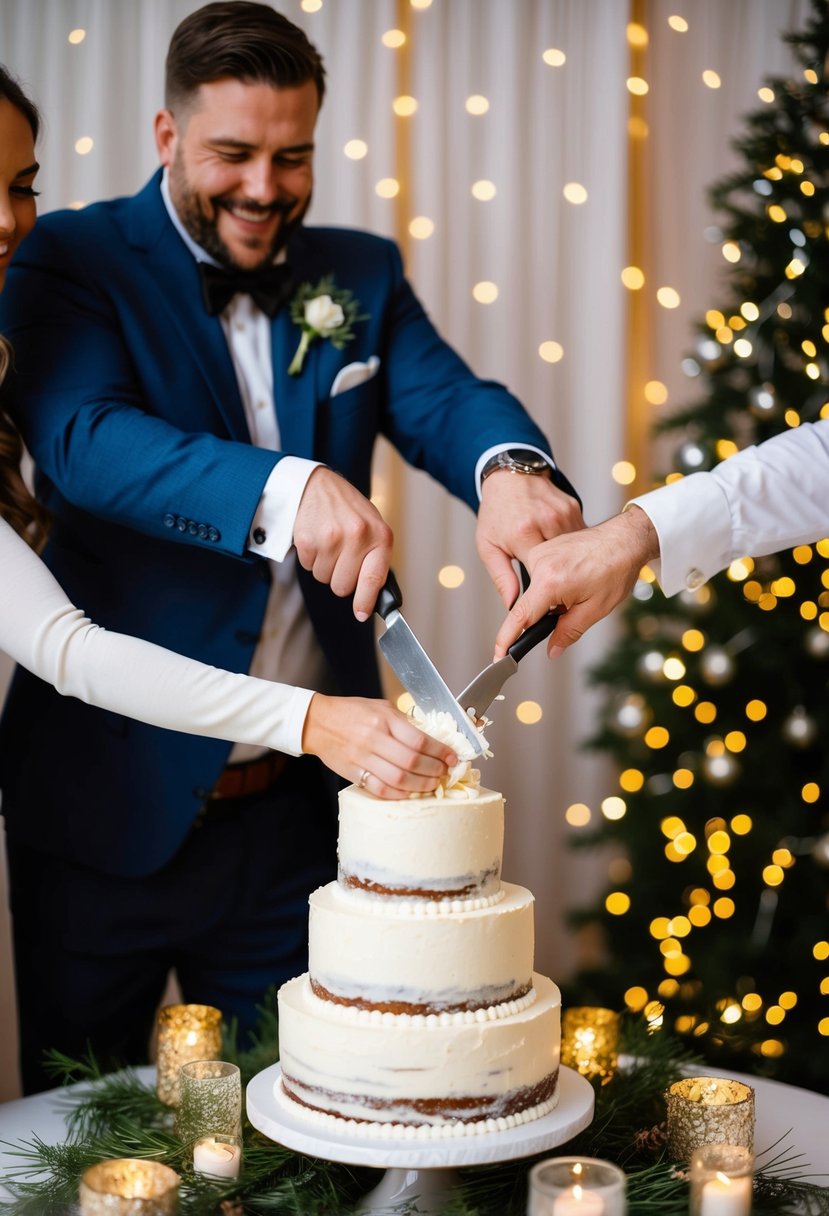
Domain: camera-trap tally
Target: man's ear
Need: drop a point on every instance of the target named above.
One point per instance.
(166, 136)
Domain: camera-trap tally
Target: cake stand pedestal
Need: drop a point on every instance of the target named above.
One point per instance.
(420, 1174)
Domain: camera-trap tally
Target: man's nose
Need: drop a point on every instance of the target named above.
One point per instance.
(8, 223)
(261, 181)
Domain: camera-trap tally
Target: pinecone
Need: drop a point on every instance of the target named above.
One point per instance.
(650, 1139)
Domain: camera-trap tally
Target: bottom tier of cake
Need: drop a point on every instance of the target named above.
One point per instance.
(458, 1073)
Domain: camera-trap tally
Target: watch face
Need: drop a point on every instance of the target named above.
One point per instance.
(529, 457)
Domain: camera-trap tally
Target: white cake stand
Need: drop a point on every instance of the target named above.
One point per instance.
(419, 1174)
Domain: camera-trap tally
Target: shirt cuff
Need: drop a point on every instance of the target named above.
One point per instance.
(505, 447)
(272, 530)
(693, 522)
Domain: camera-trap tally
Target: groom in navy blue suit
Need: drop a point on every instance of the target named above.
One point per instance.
(206, 499)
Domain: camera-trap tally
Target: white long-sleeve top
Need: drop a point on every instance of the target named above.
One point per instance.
(764, 499)
(43, 631)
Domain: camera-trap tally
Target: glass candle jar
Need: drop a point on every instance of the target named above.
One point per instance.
(590, 1041)
(185, 1032)
(210, 1101)
(721, 1180)
(576, 1186)
(708, 1110)
(128, 1187)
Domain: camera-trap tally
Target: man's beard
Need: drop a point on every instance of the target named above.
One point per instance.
(204, 229)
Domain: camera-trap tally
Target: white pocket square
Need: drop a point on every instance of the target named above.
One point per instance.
(354, 374)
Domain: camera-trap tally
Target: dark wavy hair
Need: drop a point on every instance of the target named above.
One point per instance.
(17, 506)
(241, 40)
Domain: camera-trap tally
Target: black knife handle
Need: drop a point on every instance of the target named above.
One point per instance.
(390, 597)
(536, 633)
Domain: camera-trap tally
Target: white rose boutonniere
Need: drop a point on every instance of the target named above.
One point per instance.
(323, 311)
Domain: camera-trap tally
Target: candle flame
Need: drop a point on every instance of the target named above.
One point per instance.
(578, 1167)
(723, 1178)
(578, 1193)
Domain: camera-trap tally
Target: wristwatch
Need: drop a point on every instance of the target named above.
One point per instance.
(517, 460)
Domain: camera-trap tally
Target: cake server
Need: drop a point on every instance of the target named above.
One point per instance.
(413, 667)
(477, 697)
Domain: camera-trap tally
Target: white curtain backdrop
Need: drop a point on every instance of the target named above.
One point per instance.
(556, 266)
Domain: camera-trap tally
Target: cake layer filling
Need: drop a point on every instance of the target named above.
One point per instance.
(362, 953)
(422, 847)
(431, 1074)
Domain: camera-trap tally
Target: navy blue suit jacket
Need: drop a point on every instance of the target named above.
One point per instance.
(128, 401)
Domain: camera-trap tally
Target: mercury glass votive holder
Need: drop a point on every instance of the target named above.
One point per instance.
(721, 1180)
(210, 1102)
(708, 1110)
(128, 1187)
(590, 1041)
(185, 1032)
(218, 1156)
(576, 1186)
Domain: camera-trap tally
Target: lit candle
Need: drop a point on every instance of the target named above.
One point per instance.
(724, 1196)
(218, 1158)
(578, 1202)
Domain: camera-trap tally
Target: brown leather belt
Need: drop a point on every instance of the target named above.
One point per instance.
(252, 777)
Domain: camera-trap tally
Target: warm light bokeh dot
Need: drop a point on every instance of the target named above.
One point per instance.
(637, 86)
(84, 145)
(483, 190)
(637, 35)
(356, 149)
(617, 903)
(476, 104)
(657, 737)
(393, 39)
(656, 393)
(311, 6)
(633, 278)
(631, 780)
(766, 94)
(553, 57)
(387, 187)
(741, 825)
(451, 576)
(485, 292)
(678, 23)
(668, 297)
(529, 712)
(404, 106)
(623, 472)
(405, 702)
(711, 79)
(636, 999)
(551, 352)
(577, 815)
(421, 227)
(76, 37)
(575, 193)
(614, 808)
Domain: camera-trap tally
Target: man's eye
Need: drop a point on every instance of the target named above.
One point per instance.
(25, 191)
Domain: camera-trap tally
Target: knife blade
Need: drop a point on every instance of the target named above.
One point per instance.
(479, 694)
(413, 667)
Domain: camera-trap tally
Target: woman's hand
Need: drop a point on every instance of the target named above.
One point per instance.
(374, 745)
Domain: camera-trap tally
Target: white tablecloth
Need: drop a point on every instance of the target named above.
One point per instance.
(798, 1115)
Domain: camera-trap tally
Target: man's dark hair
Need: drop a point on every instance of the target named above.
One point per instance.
(11, 91)
(242, 40)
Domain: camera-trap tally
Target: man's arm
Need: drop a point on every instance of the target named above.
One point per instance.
(766, 498)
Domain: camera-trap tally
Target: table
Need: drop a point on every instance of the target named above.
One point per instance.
(781, 1109)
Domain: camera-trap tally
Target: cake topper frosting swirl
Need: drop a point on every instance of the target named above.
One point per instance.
(462, 780)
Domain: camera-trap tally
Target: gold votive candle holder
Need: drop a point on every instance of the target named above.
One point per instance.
(128, 1187)
(576, 1186)
(210, 1101)
(708, 1110)
(218, 1156)
(590, 1041)
(722, 1180)
(185, 1033)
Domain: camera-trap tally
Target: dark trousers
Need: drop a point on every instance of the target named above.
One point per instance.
(229, 912)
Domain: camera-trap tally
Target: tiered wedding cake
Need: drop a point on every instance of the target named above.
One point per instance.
(421, 1014)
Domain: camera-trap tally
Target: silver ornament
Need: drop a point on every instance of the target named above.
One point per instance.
(763, 401)
(629, 715)
(817, 643)
(716, 666)
(692, 456)
(650, 664)
(720, 770)
(799, 729)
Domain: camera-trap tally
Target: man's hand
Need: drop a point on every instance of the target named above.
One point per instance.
(373, 744)
(517, 513)
(583, 575)
(343, 539)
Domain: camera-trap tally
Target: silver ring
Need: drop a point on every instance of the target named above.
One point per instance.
(364, 776)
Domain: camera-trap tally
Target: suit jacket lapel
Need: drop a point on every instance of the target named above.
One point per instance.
(173, 267)
(296, 397)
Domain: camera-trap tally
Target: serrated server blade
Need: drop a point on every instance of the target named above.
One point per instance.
(419, 676)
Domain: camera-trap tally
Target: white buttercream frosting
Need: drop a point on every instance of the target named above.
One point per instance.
(462, 781)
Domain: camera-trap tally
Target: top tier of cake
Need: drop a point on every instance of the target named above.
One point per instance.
(434, 849)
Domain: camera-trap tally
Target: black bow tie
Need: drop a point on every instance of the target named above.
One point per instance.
(270, 286)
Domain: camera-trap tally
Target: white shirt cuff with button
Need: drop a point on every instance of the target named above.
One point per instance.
(765, 499)
(505, 447)
(272, 530)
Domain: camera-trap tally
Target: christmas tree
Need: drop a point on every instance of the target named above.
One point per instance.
(717, 710)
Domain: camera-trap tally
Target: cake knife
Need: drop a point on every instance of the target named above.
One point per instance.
(478, 695)
(413, 667)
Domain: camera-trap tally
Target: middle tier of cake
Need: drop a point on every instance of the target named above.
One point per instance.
(418, 957)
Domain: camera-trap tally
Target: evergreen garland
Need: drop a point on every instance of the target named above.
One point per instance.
(116, 1115)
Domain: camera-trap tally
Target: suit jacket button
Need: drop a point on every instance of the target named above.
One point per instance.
(181, 524)
(214, 534)
(192, 527)
(203, 531)
(169, 521)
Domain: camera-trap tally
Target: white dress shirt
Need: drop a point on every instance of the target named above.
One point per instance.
(764, 499)
(287, 649)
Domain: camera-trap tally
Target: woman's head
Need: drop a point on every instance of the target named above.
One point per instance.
(19, 126)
